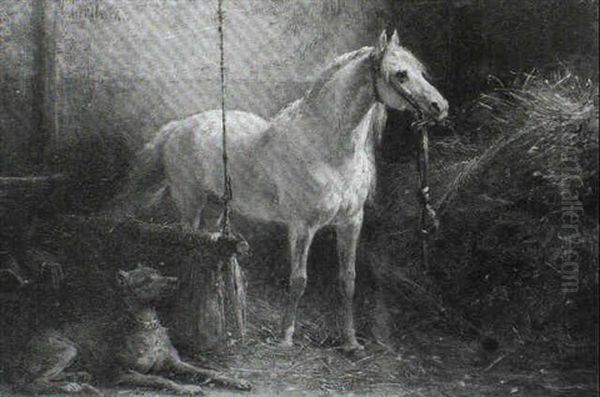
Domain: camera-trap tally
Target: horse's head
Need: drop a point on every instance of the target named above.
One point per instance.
(401, 83)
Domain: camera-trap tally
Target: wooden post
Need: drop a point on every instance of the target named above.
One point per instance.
(199, 318)
(211, 306)
(44, 79)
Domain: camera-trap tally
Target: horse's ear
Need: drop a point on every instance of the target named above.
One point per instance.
(381, 44)
(395, 39)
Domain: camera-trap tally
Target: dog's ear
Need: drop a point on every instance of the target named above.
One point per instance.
(122, 278)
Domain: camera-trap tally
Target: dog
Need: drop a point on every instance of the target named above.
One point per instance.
(130, 347)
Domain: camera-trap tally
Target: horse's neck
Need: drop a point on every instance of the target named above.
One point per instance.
(343, 104)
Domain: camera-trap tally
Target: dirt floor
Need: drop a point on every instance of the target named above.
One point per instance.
(311, 371)
(427, 364)
(409, 351)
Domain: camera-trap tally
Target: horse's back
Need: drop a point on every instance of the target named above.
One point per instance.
(193, 149)
(207, 126)
(201, 134)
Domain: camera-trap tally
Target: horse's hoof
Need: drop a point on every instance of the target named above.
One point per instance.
(286, 344)
(354, 349)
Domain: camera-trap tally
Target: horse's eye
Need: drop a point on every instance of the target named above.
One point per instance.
(402, 76)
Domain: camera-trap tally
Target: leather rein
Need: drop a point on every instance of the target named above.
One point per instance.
(419, 127)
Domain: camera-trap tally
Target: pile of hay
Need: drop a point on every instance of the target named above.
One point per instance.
(502, 185)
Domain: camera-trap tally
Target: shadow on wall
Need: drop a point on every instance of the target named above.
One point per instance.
(466, 41)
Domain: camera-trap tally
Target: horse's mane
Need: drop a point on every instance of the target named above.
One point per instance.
(342, 60)
(324, 76)
(332, 68)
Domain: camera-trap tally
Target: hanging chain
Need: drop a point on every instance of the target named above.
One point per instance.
(227, 191)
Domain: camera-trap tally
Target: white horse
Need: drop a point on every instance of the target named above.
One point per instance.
(311, 166)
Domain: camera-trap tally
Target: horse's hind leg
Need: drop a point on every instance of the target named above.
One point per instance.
(347, 241)
(189, 201)
(300, 239)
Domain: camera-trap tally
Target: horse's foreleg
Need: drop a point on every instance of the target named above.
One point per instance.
(300, 240)
(347, 241)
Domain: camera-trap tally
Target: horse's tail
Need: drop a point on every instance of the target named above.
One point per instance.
(146, 181)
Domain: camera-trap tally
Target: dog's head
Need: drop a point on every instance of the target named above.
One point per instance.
(146, 284)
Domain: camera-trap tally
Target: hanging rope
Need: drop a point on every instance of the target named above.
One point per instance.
(236, 289)
(227, 191)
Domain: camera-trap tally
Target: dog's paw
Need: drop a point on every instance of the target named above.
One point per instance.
(72, 387)
(191, 390)
(76, 387)
(241, 384)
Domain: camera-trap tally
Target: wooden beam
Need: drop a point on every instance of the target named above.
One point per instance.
(44, 79)
(164, 235)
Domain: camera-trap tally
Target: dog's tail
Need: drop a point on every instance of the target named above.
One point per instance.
(146, 181)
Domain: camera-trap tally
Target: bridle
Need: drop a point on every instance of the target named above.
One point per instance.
(376, 72)
(419, 127)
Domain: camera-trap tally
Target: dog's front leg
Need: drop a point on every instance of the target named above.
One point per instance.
(134, 378)
(181, 367)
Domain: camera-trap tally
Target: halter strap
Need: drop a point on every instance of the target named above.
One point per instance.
(419, 127)
(375, 69)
